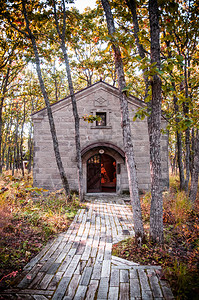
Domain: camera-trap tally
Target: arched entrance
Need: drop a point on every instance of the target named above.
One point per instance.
(101, 174)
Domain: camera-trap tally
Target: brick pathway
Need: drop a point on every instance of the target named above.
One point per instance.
(78, 264)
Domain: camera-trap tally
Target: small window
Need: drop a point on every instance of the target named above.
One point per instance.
(102, 122)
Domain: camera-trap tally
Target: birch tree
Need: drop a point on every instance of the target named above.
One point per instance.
(126, 129)
(156, 213)
(62, 37)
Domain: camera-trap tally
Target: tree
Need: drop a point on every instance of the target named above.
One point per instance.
(62, 36)
(142, 52)
(151, 70)
(127, 140)
(90, 60)
(194, 177)
(156, 213)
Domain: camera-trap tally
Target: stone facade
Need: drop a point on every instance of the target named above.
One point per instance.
(98, 98)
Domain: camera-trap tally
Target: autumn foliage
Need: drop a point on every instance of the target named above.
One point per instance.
(29, 217)
(179, 254)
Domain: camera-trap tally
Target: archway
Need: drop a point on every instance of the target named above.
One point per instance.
(101, 174)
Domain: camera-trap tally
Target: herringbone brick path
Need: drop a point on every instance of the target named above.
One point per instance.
(78, 264)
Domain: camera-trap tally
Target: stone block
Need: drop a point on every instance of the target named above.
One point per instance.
(144, 187)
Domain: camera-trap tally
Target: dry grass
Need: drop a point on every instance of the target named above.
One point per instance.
(179, 255)
(27, 220)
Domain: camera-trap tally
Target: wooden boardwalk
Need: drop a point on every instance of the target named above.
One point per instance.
(79, 264)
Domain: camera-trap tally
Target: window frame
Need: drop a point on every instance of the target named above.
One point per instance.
(103, 120)
(108, 118)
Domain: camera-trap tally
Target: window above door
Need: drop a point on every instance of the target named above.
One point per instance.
(101, 122)
(105, 119)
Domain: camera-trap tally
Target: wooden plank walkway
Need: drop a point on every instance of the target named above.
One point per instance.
(78, 264)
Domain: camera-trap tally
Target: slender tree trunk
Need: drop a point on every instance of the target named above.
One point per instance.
(21, 142)
(73, 99)
(6, 140)
(48, 107)
(126, 129)
(132, 6)
(194, 177)
(3, 153)
(10, 158)
(156, 213)
(7, 158)
(178, 133)
(4, 147)
(76, 118)
(173, 165)
(187, 159)
(30, 147)
(56, 87)
(187, 131)
(192, 150)
(14, 160)
(16, 143)
(192, 138)
(4, 89)
(179, 142)
(180, 160)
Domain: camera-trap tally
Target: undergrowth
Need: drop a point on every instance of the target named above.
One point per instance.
(28, 219)
(179, 255)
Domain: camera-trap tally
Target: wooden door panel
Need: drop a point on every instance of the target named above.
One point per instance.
(94, 174)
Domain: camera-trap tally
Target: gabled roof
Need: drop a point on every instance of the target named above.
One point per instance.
(107, 86)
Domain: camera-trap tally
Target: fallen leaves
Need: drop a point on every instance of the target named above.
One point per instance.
(10, 275)
(179, 254)
(27, 221)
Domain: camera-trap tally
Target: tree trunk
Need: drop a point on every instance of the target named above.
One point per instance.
(192, 150)
(6, 141)
(187, 131)
(17, 159)
(30, 146)
(4, 89)
(194, 177)
(8, 158)
(179, 142)
(21, 142)
(187, 159)
(48, 107)
(16, 146)
(156, 213)
(14, 160)
(132, 6)
(126, 129)
(11, 158)
(56, 85)
(76, 118)
(73, 99)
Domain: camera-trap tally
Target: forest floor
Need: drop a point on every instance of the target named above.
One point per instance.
(28, 220)
(179, 255)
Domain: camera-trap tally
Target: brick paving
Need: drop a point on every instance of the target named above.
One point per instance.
(79, 264)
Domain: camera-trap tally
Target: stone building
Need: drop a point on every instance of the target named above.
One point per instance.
(103, 158)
